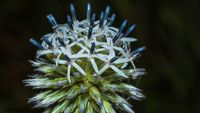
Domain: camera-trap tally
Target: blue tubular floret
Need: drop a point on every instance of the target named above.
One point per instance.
(107, 12)
(48, 42)
(117, 36)
(101, 20)
(137, 51)
(92, 48)
(73, 13)
(35, 43)
(88, 12)
(90, 32)
(130, 29)
(112, 19)
(93, 19)
(69, 21)
(52, 20)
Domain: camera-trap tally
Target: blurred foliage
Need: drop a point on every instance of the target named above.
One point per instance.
(170, 29)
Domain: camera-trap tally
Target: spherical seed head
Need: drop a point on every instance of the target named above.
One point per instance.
(83, 67)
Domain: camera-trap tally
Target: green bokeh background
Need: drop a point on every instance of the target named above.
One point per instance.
(170, 29)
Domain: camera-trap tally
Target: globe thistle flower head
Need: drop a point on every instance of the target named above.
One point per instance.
(85, 66)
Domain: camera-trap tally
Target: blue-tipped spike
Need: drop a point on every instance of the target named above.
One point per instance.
(122, 26)
(137, 51)
(67, 58)
(69, 21)
(48, 42)
(92, 48)
(88, 12)
(107, 12)
(52, 20)
(112, 19)
(114, 59)
(93, 19)
(117, 36)
(90, 32)
(73, 13)
(35, 43)
(61, 42)
(130, 29)
(101, 20)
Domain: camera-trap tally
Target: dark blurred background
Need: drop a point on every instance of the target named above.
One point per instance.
(170, 29)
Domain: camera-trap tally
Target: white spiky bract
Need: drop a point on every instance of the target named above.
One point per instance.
(84, 66)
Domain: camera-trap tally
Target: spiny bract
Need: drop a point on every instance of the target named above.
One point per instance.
(85, 66)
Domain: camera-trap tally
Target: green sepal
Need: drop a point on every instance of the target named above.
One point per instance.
(72, 106)
(61, 107)
(89, 108)
(95, 95)
(83, 103)
(108, 107)
(73, 92)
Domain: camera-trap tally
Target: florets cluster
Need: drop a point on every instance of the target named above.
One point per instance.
(84, 66)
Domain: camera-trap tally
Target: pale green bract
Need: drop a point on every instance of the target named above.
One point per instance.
(86, 66)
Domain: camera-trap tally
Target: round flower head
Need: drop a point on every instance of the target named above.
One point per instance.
(85, 66)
